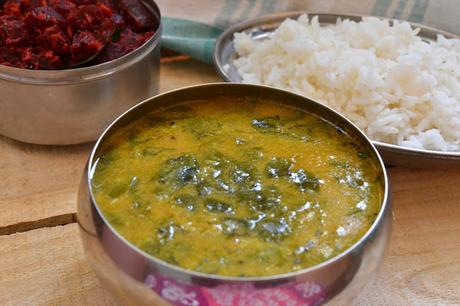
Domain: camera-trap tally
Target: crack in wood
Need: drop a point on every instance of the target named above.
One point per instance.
(36, 224)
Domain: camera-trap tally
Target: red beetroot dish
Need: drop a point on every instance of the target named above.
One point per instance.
(61, 34)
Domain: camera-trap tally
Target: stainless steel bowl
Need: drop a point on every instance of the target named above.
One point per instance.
(137, 278)
(74, 106)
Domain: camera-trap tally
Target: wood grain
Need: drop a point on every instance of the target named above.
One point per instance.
(47, 267)
(422, 266)
(39, 183)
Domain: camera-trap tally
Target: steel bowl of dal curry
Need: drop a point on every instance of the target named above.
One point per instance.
(234, 194)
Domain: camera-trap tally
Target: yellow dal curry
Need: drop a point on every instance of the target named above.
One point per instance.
(237, 188)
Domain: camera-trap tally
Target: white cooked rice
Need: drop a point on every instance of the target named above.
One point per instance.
(394, 86)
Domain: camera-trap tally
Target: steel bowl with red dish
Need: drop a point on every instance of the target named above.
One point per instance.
(68, 67)
(60, 34)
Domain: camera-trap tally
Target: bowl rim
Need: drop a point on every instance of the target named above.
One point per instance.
(278, 18)
(378, 221)
(90, 73)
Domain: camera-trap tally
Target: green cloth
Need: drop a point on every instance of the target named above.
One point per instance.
(190, 37)
(191, 26)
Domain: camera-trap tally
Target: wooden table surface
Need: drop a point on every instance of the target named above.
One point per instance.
(42, 260)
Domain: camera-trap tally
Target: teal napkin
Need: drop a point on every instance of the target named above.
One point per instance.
(190, 37)
(191, 27)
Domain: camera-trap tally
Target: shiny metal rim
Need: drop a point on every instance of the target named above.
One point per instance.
(384, 209)
(272, 21)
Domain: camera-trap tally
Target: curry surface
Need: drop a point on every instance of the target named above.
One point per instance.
(237, 188)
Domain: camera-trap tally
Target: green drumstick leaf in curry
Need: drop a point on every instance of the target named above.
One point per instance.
(237, 188)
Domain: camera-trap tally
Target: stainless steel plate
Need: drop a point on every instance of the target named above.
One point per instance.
(259, 28)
